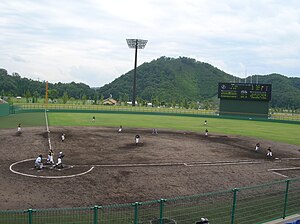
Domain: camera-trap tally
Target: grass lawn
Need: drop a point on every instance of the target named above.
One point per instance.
(280, 132)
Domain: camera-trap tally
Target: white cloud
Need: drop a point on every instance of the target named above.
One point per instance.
(84, 41)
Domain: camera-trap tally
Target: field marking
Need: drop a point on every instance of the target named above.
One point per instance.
(46, 177)
(284, 169)
(224, 164)
(280, 174)
(189, 164)
(290, 158)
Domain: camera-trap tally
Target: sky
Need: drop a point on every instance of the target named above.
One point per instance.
(85, 40)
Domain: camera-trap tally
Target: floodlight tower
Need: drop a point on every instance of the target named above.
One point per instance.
(136, 44)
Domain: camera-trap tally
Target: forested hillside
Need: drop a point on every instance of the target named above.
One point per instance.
(185, 80)
(15, 85)
(164, 81)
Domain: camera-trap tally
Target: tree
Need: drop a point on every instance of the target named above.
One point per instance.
(35, 97)
(27, 95)
(84, 98)
(53, 94)
(95, 98)
(65, 98)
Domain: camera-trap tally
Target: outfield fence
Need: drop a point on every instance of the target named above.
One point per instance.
(247, 205)
(77, 108)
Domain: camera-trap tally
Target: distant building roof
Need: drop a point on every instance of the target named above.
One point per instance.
(109, 101)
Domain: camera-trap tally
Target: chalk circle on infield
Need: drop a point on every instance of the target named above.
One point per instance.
(26, 168)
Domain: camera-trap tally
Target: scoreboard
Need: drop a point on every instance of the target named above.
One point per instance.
(245, 91)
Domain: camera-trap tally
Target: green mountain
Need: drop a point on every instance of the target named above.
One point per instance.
(169, 80)
(185, 79)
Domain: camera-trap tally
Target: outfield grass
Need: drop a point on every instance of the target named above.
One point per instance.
(25, 119)
(280, 132)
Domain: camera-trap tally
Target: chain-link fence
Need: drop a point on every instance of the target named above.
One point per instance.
(247, 205)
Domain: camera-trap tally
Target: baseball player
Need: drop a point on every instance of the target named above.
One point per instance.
(154, 131)
(94, 118)
(63, 137)
(137, 139)
(203, 221)
(19, 130)
(50, 157)
(257, 147)
(59, 163)
(205, 122)
(120, 129)
(38, 162)
(269, 153)
(206, 132)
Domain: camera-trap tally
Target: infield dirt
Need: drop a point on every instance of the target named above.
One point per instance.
(170, 164)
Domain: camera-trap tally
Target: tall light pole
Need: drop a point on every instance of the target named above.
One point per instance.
(136, 44)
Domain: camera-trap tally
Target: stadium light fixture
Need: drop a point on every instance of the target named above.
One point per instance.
(136, 44)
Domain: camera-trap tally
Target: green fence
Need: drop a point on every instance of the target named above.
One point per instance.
(248, 205)
(79, 108)
(4, 109)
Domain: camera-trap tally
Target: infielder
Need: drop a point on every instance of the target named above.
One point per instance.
(269, 153)
(257, 147)
(120, 129)
(63, 137)
(137, 139)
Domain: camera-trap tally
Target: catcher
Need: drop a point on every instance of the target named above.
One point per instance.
(38, 162)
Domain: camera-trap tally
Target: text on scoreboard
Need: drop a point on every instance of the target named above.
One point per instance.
(245, 91)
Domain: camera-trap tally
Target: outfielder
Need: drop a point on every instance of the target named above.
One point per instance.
(19, 129)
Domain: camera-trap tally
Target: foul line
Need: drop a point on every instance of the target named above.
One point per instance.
(216, 163)
(280, 174)
(275, 171)
(47, 177)
(284, 169)
(48, 131)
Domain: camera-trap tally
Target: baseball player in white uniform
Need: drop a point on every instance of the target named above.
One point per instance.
(38, 162)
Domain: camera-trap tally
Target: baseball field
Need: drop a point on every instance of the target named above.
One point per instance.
(104, 167)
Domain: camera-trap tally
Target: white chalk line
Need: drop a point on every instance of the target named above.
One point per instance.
(280, 174)
(46, 177)
(224, 164)
(275, 171)
(284, 169)
(198, 163)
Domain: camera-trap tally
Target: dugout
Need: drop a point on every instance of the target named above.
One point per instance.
(4, 108)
